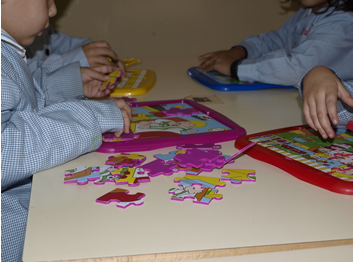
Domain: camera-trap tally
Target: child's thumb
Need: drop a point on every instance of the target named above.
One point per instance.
(345, 96)
(98, 76)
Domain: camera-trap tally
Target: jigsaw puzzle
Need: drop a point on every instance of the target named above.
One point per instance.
(237, 176)
(81, 175)
(204, 196)
(121, 196)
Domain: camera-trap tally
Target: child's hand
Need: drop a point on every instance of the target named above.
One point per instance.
(100, 53)
(321, 89)
(126, 111)
(221, 61)
(93, 78)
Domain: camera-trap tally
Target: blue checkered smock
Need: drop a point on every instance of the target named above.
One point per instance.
(56, 43)
(44, 123)
(304, 41)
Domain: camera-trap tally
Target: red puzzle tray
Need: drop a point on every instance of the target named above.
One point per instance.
(300, 151)
(159, 124)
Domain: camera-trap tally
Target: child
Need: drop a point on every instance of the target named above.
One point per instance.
(326, 97)
(318, 34)
(72, 49)
(43, 121)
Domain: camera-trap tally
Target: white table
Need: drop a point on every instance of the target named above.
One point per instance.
(278, 212)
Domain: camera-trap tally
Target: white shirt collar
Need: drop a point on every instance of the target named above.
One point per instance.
(16, 46)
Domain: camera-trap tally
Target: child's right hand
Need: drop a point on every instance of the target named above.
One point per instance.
(100, 53)
(221, 61)
(126, 112)
(321, 89)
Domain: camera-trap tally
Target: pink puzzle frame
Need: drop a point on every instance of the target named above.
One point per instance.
(138, 145)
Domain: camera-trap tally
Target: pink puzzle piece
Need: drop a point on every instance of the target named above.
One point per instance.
(130, 136)
(159, 167)
(81, 175)
(208, 146)
(178, 111)
(196, 158)
(122, 197)
(128, 99)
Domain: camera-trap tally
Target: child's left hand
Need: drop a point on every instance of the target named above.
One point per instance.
(321, 89)
(93, 78)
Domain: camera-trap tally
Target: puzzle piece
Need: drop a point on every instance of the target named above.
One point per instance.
(203, 181)
(110, 137)
(207, 146)
(113, 78)
(105, 175)
(196, 158)
(159, 167)
(130, 136)
(128, 99)
(178, 111)
(187, 170)
(81, 175)
(169, 156)
(122, 197)
(237, 176)
(131, 160)
(204, 196)
(130, 176)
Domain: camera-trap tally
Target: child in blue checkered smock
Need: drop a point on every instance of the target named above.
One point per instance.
(46, 119)
(327, 99)
(318, 34)
(71, 49)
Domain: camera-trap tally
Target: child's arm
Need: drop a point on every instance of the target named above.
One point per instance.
(36, 138)
(321, 91)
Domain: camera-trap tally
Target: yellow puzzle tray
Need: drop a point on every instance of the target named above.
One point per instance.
(136, 82)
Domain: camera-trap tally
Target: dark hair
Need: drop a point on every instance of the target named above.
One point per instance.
(345, 5)
(338, 5)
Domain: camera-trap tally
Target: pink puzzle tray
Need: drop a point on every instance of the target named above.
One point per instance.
(160, 124)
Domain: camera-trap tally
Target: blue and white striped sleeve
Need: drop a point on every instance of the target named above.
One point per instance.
(329, 43)
(35, 139)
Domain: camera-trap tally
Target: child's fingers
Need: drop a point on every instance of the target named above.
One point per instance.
(307, 115)
(122, 67)
(105, 69)
(321, 120)
(204, 56)
(331, 105)
(127, 121)
(345, 95)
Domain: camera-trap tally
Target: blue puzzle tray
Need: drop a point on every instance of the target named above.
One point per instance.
(222, 82)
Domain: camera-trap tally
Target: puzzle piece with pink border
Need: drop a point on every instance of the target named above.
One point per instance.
(196, 158)
(159, 167)
(204, 196)
(130, 160)
(179, 111)
(122, 197)
(206, 146)
(237, 176)
(203, 181)
(110, 137)
(105, 175)
(81, 175)
(130, 136)
(131, 176)
(169, 156)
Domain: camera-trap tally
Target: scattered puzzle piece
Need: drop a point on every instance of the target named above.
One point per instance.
(196, 158)
(169, 156)
(122, 197)
(81, 175)
(201, 197)
(236, 176)
(130, 176)
(131, 160)
(203, 181)
(159, 167)
(113, 78)
(208, 146)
